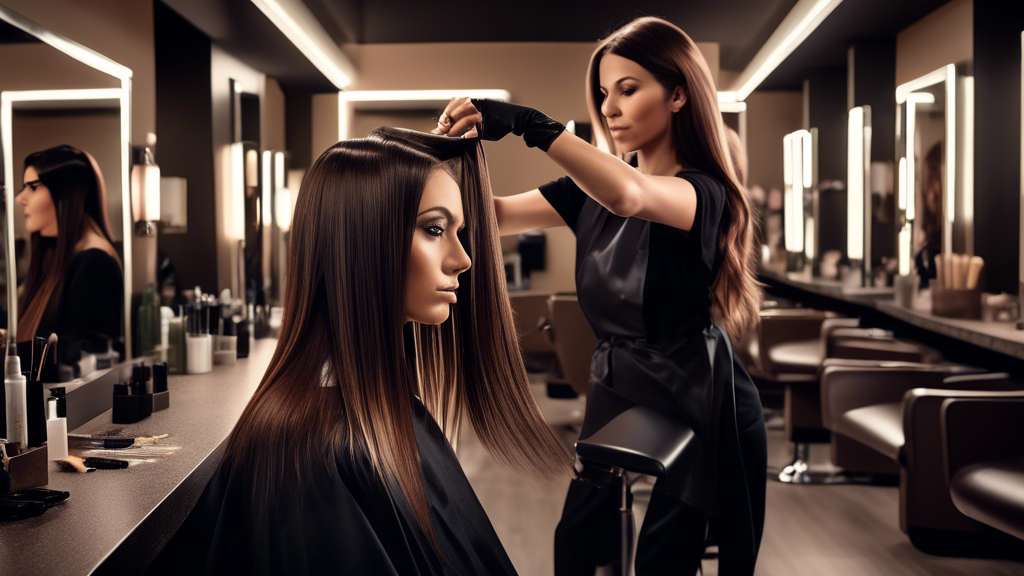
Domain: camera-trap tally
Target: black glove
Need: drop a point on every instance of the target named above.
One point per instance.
(500, 118)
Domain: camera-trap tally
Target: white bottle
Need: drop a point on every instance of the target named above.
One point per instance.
(14, 387)
(56, 433)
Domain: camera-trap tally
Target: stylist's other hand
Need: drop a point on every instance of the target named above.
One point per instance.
(497, 119)
(459, 119)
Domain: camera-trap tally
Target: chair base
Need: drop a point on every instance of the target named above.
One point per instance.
(799, 471)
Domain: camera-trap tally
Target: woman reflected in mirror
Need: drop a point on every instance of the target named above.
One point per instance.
(74, 286)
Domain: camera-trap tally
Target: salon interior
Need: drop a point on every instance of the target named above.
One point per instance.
(883, 152)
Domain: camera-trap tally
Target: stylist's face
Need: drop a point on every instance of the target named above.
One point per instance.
(436, 257)
(35, 199)
(639, 110)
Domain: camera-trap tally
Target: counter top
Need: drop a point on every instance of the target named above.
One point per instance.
(116, 520)
(999, 337)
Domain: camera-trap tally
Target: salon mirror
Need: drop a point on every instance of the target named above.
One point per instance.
(932, 151)
(55, 92)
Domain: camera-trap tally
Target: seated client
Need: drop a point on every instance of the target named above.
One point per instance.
(342, 462)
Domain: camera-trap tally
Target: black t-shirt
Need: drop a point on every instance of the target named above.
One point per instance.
(91, 304)
(682, 264)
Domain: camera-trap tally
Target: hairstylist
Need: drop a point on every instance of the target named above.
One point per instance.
(663, 247)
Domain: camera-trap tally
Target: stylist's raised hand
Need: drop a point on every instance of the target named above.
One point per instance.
(496, 119)
(460, 118)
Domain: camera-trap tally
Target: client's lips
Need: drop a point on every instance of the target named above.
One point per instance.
(448, 293)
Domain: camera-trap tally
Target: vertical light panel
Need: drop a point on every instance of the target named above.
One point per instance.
(268, 173)
(911, 159)
(787, 199)
(904, 248)
(236, 219)
(797, 198)
(950, 154)
(902, 183)
(855, 185)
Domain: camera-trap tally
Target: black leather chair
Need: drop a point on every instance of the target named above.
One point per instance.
(641, 440)
(983, 457)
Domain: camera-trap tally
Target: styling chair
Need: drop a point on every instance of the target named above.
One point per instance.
(983, 456)
(572, 338)
(531, 315)
(895, 411)
(641, 440)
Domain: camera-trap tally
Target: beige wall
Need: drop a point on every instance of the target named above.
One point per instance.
(946, 36)
(770, 116)
(548, 76)
(121, 30)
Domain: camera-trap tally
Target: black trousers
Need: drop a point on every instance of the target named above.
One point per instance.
(673, 534)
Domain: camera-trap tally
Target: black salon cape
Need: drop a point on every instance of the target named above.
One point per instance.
(645, 289)
(347, 524)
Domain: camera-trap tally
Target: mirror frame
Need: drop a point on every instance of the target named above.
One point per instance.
(906, 185)
(103, 64)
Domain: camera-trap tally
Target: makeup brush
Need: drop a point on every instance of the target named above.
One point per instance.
(52, 340)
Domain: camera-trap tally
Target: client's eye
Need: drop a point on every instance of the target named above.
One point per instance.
(434, 230)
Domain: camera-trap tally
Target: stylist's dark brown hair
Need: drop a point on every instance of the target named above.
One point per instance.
(79, 197)
(699, 138)
(340, 381)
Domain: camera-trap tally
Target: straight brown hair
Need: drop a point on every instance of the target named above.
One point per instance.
(698, 134)
(340, 381)
(79, 197)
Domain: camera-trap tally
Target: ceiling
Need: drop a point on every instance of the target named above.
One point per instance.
(11, 35)
(850, 21)
(740, 27)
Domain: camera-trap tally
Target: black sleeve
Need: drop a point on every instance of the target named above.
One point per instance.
(566, 198)
(93, 303)
(707, 217)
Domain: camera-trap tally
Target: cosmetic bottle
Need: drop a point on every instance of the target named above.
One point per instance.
(198, 344)
(161, 395)
(146, 322)
(56, 430)
(35, 411)
(176, 328)
(226, 343)
(15, 389)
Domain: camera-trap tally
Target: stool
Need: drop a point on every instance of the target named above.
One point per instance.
(641, 440)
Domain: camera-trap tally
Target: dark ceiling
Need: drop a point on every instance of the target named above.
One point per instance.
(740, 27)
(850, 21)
(11, 35)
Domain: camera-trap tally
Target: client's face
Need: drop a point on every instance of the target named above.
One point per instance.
(40, 214)
(436, 257)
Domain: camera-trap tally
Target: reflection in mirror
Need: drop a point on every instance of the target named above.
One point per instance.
(932, 150)
(65, 125)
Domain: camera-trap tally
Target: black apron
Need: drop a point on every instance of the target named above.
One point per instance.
(687, 373)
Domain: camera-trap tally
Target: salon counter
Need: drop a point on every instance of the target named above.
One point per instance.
(117, 520)
(1000, 337)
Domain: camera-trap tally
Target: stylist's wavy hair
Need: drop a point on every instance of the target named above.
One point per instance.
(699, 138)
(79, 197)
(342, 378)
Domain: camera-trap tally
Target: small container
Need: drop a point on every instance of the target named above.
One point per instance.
(953, 303)
(176, 363)
(56, 431)
(903, 288)
(198, 353)
(225, 350)
(161, 395)
(29, 469)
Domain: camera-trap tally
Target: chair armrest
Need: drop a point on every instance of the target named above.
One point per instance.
(981, 427)
(922, 415)
(845, 388)
(786, 325)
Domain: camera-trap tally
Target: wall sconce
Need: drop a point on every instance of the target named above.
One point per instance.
(800, 150)
(145, 194)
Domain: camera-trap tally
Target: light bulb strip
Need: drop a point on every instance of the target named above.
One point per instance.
(310, 38)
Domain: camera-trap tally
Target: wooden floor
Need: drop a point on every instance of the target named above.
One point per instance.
(809, 530)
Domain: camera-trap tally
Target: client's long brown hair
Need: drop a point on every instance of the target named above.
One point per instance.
(340, 381)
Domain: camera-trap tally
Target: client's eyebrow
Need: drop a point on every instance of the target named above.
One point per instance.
(444, 211)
